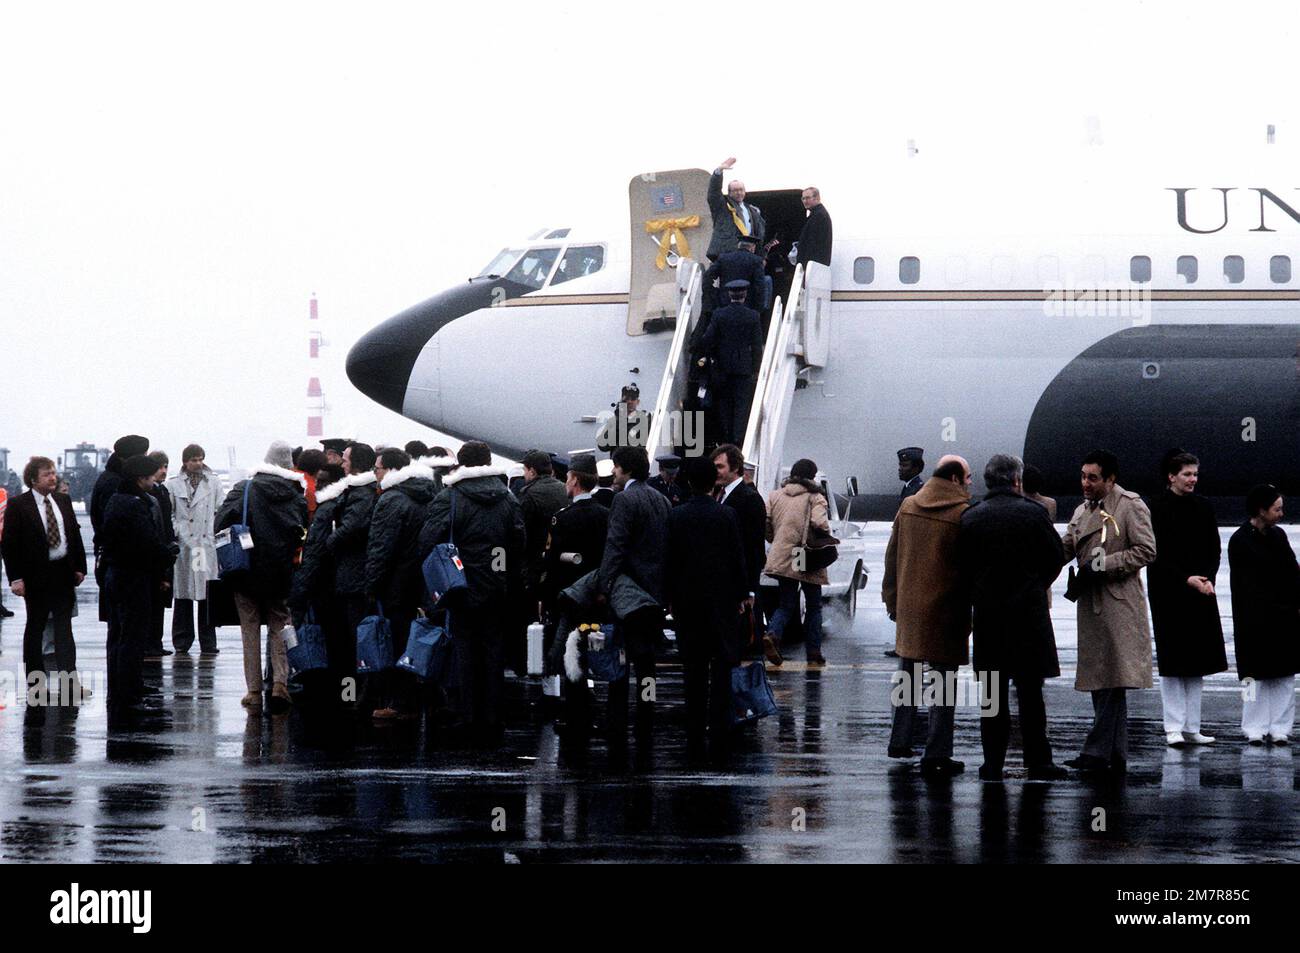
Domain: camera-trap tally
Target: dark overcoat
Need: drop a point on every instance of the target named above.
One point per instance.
(706, 575)
(1265, 583)
(1008, 554)
(1189, 634)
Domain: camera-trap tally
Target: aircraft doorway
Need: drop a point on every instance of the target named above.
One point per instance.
(784, 215)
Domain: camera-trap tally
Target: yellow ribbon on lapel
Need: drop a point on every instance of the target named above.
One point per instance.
(1106, 516)
(740, 222)
(668, 230)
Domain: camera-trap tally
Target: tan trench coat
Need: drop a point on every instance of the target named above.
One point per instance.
(787, 517)
(1114, 633)
(920, 586)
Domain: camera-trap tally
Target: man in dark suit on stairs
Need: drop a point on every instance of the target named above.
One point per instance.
(734, 343)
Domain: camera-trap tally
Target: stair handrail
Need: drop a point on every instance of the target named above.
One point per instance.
(680, 333)
(761, 441)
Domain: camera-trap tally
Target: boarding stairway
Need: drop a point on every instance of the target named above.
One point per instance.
(667, 419)
(798, 341)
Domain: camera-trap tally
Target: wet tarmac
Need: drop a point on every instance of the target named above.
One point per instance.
(811, 784)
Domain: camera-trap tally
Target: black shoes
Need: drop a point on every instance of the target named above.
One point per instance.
(1048, 772)
(901, 752)
(941, 768)
(990, 773)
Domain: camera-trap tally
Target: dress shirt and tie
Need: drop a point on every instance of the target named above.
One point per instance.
(56, 537)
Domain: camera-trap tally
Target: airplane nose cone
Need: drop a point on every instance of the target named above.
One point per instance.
(380, 363)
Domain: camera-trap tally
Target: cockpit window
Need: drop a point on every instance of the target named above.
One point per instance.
(503, 260)
(532, 269)
(578, 262)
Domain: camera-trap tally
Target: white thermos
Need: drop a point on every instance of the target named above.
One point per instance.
(534, 649)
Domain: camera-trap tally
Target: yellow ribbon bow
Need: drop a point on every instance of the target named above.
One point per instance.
(1106, 516)
(668, 230)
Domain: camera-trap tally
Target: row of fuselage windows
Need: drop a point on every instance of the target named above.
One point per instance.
(1139, 268)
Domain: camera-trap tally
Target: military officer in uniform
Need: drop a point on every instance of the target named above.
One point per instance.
(665, 481)
(741, 263)
(911, 464)
(629, 427)
(734, 343)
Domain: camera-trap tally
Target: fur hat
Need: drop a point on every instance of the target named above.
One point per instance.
(132, 445)
(139, 466)
(280, 455)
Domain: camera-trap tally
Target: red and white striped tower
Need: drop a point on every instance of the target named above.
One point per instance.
(315, 396)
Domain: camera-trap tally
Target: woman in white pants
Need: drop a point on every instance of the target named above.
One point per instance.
(1266, 618)
(1184, 609)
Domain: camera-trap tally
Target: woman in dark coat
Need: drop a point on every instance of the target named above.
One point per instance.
(1184, 609)
(1265, 618)
(135, 555)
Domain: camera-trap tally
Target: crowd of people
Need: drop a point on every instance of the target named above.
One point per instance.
(962, 573)
(336, 535)
(339, 535)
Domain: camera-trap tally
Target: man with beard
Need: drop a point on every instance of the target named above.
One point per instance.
(1111, 538)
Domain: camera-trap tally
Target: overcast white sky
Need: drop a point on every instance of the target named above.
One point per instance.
(177, 179)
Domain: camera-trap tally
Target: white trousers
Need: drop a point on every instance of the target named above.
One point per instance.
(1271, 711)
(1182, 701)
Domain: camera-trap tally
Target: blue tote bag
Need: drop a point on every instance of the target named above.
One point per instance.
(428, 650)
(751, 693)
(606, 660)
(444, 573)
(374, 643)
(232, 557)
(308, 653)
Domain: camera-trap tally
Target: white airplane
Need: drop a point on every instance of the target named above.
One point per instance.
(1162, 313)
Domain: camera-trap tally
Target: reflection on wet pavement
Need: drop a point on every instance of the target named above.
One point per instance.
(810, 784)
